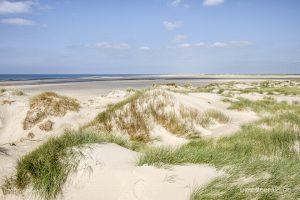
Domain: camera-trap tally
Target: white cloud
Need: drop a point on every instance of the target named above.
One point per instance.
(175, 3)
(231, 44)
(144, 48)
(15, 7)
(219, 45)
(212, 2)
(184, 45)
(17, 21)
(106, 45)
(172, 25)
(200, 44)
(179, 38)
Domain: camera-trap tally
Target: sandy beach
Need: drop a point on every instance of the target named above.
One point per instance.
(198, 107)
(149, 100)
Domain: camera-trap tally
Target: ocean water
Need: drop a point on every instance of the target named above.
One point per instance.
(24, 77)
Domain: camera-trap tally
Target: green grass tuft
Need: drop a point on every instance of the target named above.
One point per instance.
(46, 168)
(264, 105)
(2, 90)
(217, 115)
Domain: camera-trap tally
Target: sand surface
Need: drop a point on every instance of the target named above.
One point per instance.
(108, 171)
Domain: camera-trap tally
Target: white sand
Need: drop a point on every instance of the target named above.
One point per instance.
(165, 138)
(14, 139)
(109, 172)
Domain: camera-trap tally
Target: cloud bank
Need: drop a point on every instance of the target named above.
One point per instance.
(15, 7)
(212, 2)
(17, 21)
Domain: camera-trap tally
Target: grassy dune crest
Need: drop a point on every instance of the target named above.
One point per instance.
(48, 104)
(136, 116)
(262, 159)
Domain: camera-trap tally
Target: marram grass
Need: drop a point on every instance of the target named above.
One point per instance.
(46, 169)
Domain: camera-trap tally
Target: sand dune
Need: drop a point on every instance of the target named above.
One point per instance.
(109, 171)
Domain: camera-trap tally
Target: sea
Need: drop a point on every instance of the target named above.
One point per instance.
(26, 77)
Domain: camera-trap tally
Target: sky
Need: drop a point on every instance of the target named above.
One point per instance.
(150, 36)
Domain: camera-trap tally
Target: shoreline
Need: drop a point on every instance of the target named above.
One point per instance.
(147, 78)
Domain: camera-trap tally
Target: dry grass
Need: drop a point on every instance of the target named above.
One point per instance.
(217, 116)
(7, 102)
(30, 135)
(110, 119)
(17, 92)
(48, 104)
(46, 126)
(137, 115)
(164, 113)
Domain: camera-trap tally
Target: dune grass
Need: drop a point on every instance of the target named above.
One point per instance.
(46, 168)
(136, 128)
(264, 105)
(136, 116)
(274, 90)
(18, 92)
(250, 153)
(103, 116)
(265, 87)
(133, 116)
(261, 155)
(48, 104)
(217, 115)
(260, 162)
(2, 90)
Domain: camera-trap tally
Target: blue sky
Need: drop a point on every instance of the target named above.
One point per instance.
(153, 36)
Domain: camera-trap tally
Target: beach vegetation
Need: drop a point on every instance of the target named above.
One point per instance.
(7, 102)
(46, 126)
(130, 90)
(136, 116)
(2, 90)
(46, 169)
(217, 116)
(48, 104)
(261, 161)
(228, 89)
(17, 92)
(269, 105)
